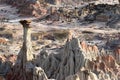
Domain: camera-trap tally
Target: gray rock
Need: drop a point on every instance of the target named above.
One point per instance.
(39, 74)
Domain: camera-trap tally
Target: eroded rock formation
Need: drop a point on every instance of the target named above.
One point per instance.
(22, 69)
(76, 60)
(68, 61)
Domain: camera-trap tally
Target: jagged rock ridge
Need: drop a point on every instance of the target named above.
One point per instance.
(76, 60)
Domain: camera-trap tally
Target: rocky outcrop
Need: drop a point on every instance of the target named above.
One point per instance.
(67, 61)
(69, 64)
(78, 61)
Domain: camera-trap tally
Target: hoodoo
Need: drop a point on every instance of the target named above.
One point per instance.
(23, 66)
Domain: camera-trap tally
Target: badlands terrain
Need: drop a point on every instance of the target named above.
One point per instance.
(59, 40)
